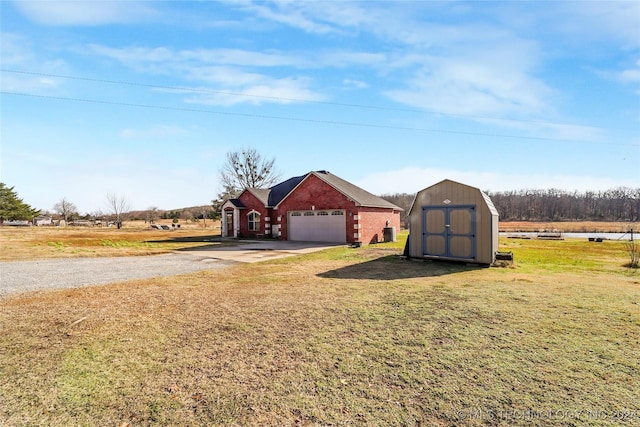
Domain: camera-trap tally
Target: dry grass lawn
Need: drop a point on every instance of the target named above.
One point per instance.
(343, 336)
(24, 243)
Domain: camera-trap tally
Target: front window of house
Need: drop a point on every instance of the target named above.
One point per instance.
(254, 221)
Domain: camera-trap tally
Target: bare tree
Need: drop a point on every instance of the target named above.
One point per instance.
(118, 205)
(247, 168)
(65, 209)
(152, 214)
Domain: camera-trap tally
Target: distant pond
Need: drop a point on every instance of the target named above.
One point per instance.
(603, 236)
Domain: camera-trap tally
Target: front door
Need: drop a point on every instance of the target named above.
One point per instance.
(229, 222)
(449, 231)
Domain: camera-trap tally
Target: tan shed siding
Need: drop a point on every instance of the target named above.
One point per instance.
(451, 194)
(483, 231)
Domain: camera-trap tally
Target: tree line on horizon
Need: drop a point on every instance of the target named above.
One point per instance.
(615, 204)
(247, 168)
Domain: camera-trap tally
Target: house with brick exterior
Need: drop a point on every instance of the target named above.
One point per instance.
(315, 207)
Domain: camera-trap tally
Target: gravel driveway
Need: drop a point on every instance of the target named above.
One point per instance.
(24, 276)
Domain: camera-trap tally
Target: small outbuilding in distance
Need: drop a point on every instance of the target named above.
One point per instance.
(453, 221)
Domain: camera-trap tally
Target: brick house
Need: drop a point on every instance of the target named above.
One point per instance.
(317, 206)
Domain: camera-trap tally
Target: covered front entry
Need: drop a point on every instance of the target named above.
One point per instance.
(449, 231)
(318, 226)
(230, 221)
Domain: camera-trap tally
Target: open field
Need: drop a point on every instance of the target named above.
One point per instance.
(27, 243)
(570, 226)
(136, 238)
(343, 336)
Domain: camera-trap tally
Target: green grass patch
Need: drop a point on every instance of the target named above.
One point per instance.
(127, 244)
(56, 245)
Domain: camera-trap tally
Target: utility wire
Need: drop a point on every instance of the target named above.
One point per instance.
(277, 98)
(211, 91)
(295, 119)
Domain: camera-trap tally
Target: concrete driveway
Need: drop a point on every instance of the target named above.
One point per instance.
(256, 251)
(24, 276)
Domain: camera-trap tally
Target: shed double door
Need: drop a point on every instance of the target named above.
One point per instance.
(449, 232)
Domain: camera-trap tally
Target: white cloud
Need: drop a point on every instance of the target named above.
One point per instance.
(19, 53)
(263, 90)
(289, 14)
(632, 76)
(358, 84)
(598, 21)
(222, 69)
(80, 13)
(413, 179)
(496, 79)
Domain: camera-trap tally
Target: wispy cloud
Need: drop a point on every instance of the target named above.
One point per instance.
(83, 13)
(266, 90)
(358, 84)
(596, 22)
(631, 76)
(228, 74)
(287, 13)
(19, 53)
(485, 83)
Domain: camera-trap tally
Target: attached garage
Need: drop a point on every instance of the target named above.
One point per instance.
(318, 226)
(453, 221)
(314, 207)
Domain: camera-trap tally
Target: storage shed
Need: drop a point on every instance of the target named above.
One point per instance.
(453, 221)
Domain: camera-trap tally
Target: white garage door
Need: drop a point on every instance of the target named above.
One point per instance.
(318, 226)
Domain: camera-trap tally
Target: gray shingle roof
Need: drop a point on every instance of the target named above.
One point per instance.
(271, 197)
(359, 196)
(280, 191)
(261, 194)
(237, 203)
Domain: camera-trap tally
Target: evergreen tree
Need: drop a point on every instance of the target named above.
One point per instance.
(12, 207)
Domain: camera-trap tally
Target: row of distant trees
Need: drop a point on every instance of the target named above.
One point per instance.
(616, 204)
(247, 168)
(118, 207)
(14, 208)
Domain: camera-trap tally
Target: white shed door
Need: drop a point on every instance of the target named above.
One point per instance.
(318, 226)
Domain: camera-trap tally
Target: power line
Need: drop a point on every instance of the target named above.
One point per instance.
(278, 98)
(296, 119)
(210, 91)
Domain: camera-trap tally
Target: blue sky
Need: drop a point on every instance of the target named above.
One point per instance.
(144, 99)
